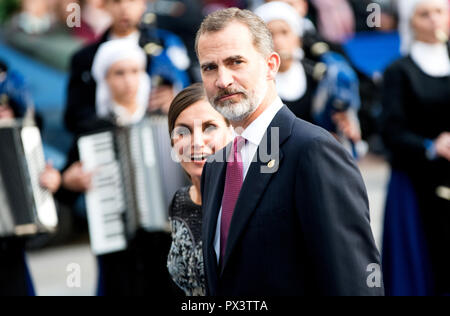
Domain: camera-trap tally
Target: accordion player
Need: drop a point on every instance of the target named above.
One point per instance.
(130, 168)
(25, 207)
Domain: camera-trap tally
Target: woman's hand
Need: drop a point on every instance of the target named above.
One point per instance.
(161, 98)
(348, 126)
(442, 144)
(76, 179)
(50, 179)
(6, 112)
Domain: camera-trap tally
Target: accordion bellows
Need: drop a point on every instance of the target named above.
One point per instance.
(25, 207)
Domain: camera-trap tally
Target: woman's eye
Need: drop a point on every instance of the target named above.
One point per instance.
(182, 132)
(210, 128)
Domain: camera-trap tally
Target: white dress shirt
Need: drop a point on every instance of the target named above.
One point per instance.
(254, 134)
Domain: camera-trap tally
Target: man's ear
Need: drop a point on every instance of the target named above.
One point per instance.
(273, 63)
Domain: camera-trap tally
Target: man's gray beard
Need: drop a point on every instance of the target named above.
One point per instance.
(239, 111)
(236, 111)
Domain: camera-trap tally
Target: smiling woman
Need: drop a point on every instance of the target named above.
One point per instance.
(197, 131)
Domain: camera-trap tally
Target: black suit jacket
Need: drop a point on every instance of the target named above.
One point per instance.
(81, 116)
(301, 230)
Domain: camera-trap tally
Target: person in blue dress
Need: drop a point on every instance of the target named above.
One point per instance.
(416, 132)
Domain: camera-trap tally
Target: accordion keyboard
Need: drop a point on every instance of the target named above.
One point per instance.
(105, 201)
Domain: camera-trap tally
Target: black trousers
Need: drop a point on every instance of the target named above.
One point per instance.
(141, 270)
(14, 280)
(435, 215)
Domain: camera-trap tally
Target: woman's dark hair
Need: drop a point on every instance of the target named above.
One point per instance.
(185, 99)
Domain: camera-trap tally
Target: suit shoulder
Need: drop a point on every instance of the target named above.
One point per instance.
(308, 140)
(304, 132)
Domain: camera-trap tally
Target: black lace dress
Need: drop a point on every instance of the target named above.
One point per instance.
(185, 260)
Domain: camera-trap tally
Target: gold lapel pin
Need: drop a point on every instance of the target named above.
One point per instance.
(271, 164)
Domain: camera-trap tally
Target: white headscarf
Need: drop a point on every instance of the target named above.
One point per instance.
(278, 10)
(108, 54)
(292, 84)
(406, 10)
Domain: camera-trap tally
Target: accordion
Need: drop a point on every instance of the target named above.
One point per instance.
(130, 166)
(25, 207)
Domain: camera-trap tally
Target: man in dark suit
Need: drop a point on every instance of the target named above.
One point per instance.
(285, 207)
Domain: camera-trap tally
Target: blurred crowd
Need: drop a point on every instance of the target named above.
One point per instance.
(358, 68)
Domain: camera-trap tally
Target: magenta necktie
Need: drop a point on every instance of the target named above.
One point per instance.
(233, 184)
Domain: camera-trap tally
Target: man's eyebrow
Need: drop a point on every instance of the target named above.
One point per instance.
(227, 60)
(233, 58)
(207, 64)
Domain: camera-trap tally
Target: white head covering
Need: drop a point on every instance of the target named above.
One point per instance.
(406, 10)
(278, 10)
(108, 54)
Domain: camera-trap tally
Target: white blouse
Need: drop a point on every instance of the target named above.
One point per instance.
(433, 59)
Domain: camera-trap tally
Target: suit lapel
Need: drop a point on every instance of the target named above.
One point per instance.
(211, 209)
(259, 175)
